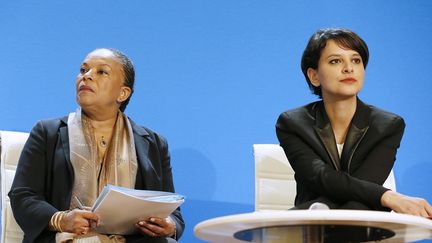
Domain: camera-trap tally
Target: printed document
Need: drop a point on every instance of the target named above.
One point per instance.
(119, 208)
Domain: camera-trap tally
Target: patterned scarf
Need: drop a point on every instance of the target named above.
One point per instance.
(118, 167)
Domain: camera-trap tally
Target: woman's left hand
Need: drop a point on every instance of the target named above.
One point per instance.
(404, 204)
(157, 227)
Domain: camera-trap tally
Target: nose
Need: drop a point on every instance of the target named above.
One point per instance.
(348, 68)
(88, 75)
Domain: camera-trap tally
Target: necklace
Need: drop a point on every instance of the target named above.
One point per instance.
(102, 142)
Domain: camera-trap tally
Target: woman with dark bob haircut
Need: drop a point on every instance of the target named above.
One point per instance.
(342, 149)
(75, 156)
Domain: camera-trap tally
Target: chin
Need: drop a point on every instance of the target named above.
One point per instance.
(350, 92)
(84, 102)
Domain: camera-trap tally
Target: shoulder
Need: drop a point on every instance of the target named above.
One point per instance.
(378, 113)
(148, 134)
(53, 123)
(378, 120)
(50, 125)
(302, 114)
(383, 118)
(44, 133)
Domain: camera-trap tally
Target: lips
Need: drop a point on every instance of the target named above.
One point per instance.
(349, 80)
(85, 88)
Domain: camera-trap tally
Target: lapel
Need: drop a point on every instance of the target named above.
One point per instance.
(64, 139)
(146, 172)
(325, 133)
(358, 128)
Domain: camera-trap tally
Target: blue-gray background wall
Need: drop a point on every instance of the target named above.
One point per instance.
(213, 76)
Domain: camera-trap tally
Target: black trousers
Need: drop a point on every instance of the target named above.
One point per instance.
(333, 205)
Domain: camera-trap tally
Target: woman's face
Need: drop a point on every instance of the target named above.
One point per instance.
(340, 72)
(100, 82)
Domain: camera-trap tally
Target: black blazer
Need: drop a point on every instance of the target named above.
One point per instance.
(367, 158)
(44, 176)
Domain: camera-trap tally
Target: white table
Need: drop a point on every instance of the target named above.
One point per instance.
(313, 226)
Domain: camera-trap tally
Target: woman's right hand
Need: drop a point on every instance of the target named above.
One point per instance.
(405, 204)
(79, 221)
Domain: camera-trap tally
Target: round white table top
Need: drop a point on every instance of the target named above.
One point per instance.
(407, 228)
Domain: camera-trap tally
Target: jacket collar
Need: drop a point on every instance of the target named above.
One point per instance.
(140, 131)
(356, 131)
(360, 119)
(146, 173)
(325, 133)
(64, 138)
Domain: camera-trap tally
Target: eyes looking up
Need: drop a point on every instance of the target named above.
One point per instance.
(98, 70)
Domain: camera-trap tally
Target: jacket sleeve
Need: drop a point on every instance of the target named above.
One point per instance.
(321, 178)
(27, 195)
(168, 185)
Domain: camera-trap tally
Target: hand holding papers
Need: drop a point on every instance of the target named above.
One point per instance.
(120, 208)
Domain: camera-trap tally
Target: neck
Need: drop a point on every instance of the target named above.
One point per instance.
(340, 110)
(102, 121)
(100, 114)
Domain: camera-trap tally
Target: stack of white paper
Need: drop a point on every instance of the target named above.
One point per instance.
(119, 208)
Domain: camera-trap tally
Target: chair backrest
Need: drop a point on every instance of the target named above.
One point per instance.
(275, 186)
(11, 146)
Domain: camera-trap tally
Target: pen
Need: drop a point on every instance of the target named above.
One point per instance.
(79, 203)
(92, 223)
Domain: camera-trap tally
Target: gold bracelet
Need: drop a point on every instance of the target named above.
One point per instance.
(55, 221)
(61, 216)
(51, 223)
(58, 221)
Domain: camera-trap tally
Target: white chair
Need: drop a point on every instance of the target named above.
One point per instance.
(11, 146)
(275, 186)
